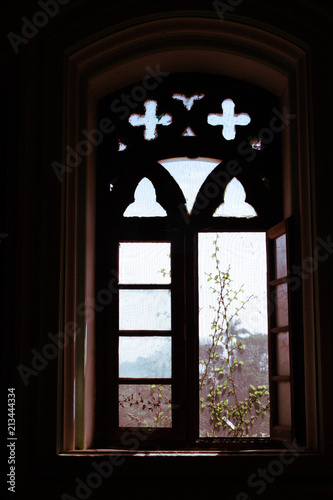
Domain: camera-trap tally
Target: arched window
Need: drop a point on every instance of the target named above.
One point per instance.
(195, 347)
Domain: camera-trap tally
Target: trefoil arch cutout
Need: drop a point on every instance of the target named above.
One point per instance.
(145, 203)
(234, 204)
(190, 175)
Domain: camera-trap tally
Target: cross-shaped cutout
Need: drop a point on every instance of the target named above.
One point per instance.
(228, 119)
(150, 120)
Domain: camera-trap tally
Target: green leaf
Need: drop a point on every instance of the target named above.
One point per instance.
(226, 402)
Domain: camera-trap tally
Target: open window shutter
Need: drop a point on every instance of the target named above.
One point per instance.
(279, 304)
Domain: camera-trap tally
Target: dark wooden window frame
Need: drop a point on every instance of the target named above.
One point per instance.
(262, 180)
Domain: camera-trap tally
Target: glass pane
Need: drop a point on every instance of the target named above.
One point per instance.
(282, 354)
(281, 304)
(280, 257)
(145, 204)
(232, 333)
(144, 310)
(145, 406)
(228, 119)
(188, 132)
(284, 403)
(144, 263)
(188, 101)
(234, 204)
(141, 357)
(150, 120)
(190, 175)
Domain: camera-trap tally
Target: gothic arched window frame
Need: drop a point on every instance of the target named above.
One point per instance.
(123, 161)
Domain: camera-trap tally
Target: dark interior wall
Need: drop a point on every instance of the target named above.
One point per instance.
(31, 228)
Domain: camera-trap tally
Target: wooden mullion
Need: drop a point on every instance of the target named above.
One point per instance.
(277, 230)
(144, 287)
(145, 381)
(145, 333)
(280, 329)
(192, 333)
(179, 388)
(279, 281)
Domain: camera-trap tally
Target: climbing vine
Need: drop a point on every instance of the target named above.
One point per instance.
(230, 413)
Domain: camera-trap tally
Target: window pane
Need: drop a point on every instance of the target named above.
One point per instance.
(282, 354)
(145, 204)
(283, 401)
(281, 305)
(141, 357)
(190, 175)
(188, 101)
(151, 120)
(144, 310)
(234, 204)
(232, 335)
(228, 119)
(145, 406)
(144, 263)
(280, 257)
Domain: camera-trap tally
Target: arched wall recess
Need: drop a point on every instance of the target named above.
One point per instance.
(125, 57)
